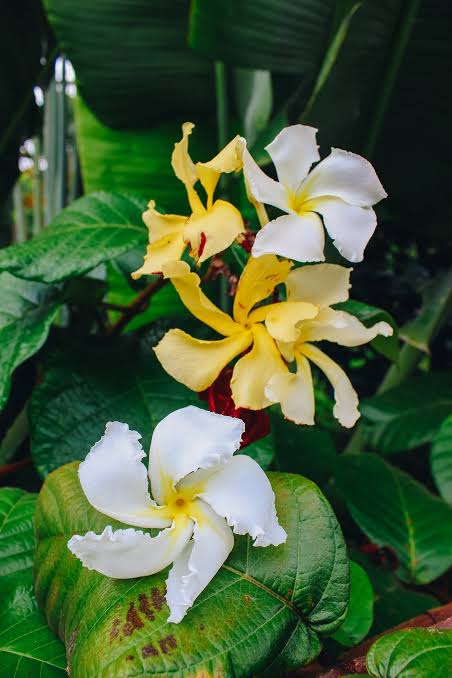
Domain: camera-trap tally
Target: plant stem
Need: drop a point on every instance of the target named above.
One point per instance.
(15, 436)
(138, 305)
(37, 189)
(19, 224)
(222, 132)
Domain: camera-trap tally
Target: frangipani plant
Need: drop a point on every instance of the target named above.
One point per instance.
(200, 492)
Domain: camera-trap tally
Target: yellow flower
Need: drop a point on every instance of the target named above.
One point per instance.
(279, 333)
(209, 229)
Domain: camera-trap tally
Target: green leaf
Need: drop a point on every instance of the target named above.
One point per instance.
(359, 616)
(82, 390)
(264, 607)
(27, 310)
(399, 605)
(441, 459)
(91, 230)
(370, 315)
(408, 415)
(17, 541)
(254, 97)
(394, 510)
(262, 451)
(422, 653)
(130, 83)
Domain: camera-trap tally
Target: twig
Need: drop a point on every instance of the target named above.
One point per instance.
(138, 305)
(11, 468)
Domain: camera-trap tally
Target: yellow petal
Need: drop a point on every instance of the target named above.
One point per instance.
(342, 328)
(253, 372)
(228, 160)
(320, 284)
(282, 320)
(198, 363)
(187, 285)
(258, 280)
(184, 167)
(213, 231)
(295, 393)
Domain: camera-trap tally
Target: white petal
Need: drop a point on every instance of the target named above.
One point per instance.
(349, 226)
(299, 237)
(241, 492)
(124, 554)
(320, 284)
(345, 175)
(295, 393)
(262, 187)
(115, 481)
(186, 440)
(200, 561)
(346, 406)
(342, 328)
(293, 152)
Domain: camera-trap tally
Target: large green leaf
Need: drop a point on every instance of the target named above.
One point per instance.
(264, 607)
(82, 390)
(91, 230)
(17, 542)
(358, 620)
(411, 653)
(131, 58)
(394, 510)
(27, 310)
(408, 415)
(441, 459)
(370, 315)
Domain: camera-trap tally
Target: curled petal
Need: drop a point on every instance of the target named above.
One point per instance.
(346, 406)
(196, 363)
(200, 561)
(261, 187)
(213, 231)
(347, 176)
(297, 236)
(349, 226)
(187, 285)
(320, 284)
(257, 282)
(115, 481)
(252, 372)
(293, 152)
(241, 492)
(125, 554)
(166, 241)
(184, 167)
(342, 328)
(281, 320)
(295, 393)
(228, 160)
(186, 440)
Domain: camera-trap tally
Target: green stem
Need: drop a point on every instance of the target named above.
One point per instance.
(19, 225)
(37, 189)
(222, 131)
(15, 436)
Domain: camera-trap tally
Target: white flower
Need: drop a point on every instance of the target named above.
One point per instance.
(341, 189)
(200, 490)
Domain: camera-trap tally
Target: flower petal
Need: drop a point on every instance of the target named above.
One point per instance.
(200, 561)
(213, 231)
(195, 362)
(350, 227)
(342, 328)
(125, 554)
(241, 492)
(257, 282)
(184, 167)
(347, 176)
(293, 152)
(295, 393)
(346, 407)
(299, 237)
(262, 187)
(228, 160)
(252, 372)
(281, 319)
(320, 284)
(187, 285)
(186, 440)
(115, 481)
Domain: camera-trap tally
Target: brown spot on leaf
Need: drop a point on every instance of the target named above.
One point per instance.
(247, 599)
(133, 621)
(149, 651)
(167, 644)
(145, 608)
(201, 627)
(72, 640)
(129, 657)
(158, 599)
(114, 631)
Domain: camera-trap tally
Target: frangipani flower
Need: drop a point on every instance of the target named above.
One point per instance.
(279, 333)
(200, 492)
(341, 189)
(209, 229)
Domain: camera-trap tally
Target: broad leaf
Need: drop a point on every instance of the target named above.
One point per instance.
(264, 607)
(408, 415)
(262, 450)
(409, 653)
(27, 310)
(130, 83)
(91, 230)
(17, 541)
(82, 391)
(370, 315)
(359, 616)
(394, 510)
(441, 459)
